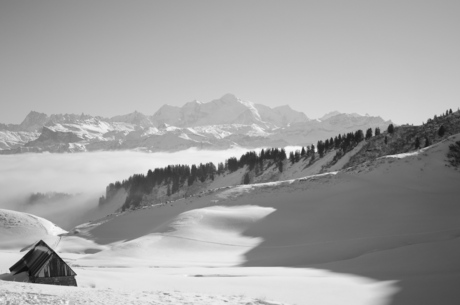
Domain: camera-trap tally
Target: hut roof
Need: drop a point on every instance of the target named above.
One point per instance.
(36, 258)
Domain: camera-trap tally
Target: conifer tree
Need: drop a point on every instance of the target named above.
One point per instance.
(386, 140)
(377, 131)
(246, 179)
(280, 166)
(450, 111)
(368, 133)
(220, 168)
(441, 131)
(427, 142)
(291, 157)
(417, 143)
(358, 136)
(297, 156)
(320, 146)
(282, 156)
(391, 129)
(302, 153)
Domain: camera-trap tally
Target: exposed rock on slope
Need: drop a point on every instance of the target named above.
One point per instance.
(404, 138)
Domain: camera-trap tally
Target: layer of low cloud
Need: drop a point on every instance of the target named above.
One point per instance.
(85, 174)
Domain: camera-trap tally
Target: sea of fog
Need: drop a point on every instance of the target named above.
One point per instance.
(84, 174)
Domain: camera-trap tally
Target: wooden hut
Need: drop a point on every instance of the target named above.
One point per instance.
(44, 266)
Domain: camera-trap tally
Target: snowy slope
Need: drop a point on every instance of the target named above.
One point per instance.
(14, 139)
(18, 230)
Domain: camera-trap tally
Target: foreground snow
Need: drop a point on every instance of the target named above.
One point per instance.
(18, 293)
(190, 258)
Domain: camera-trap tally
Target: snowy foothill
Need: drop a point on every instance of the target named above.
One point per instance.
(18, 230)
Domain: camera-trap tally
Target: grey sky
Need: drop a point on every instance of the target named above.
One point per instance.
(397, 59)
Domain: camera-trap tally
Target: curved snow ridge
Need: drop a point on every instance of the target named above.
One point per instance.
(13, 219)
(18, 229)
(211, 236)
(302, 179)
(246, 188)
(405, 155)
(444, 143)
(49, 227)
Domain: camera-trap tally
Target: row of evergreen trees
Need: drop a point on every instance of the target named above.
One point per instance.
(175, 176)
(341, 143)
(443, 115)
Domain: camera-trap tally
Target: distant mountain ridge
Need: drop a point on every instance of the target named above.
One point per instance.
(219, 124)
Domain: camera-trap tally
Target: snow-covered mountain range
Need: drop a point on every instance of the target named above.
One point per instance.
(219, 124)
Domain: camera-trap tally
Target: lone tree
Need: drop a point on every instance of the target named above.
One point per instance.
(441, 131)
(391, 129)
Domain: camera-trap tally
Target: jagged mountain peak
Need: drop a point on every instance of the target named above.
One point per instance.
(329, 115)
(193, 103)
(136, 118)
(337, 114)
(229, 98)
(33, 121)
(227, 109)
(134, 114)
(283, 107)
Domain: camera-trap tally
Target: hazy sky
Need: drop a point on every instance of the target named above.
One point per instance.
(397, 59)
